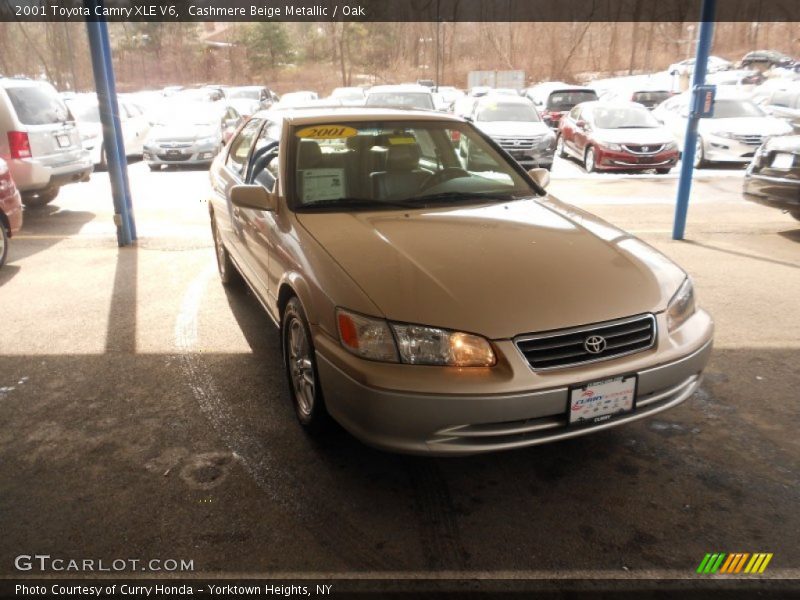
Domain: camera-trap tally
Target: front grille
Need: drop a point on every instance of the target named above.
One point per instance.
(520, 143)
(174, 157)
(568, 347)
(643, 148)
(750, 140)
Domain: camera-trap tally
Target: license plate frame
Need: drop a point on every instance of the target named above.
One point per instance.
(173, 153)
(597, 401)
(63, 141)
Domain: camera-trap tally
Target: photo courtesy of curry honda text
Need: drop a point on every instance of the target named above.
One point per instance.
(432, 298)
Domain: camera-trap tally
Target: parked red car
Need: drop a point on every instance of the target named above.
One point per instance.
(620, 136)
(10, 210)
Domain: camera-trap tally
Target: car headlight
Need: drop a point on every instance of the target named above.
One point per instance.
(681, 307)
(724, 134)
(611, 146)
(669, 146)
(376, 339)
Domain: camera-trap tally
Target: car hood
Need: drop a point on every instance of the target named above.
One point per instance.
(498, 270)
(651, 135)
(181, 133)
(746, 126)
(784, 143)
(512, 128)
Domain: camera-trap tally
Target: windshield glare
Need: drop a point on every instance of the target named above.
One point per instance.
(401, 99)
(246, 94)
(623, 118)
(731, 109)
(507, 112)
(386, 165)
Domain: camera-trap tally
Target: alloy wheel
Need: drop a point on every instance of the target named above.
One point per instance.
(301, 368)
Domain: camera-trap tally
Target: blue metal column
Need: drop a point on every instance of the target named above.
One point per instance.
(103, 70)
(704, 40)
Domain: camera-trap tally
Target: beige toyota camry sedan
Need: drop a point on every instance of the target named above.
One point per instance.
(433, 298)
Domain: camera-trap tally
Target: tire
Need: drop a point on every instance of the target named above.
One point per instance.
(795, 214)
(589, 163)
(664, 171)
(300, 365)
(560, 147)
(228, 274)
(699, 154)
(40, 198)
(3, 243)
(154, 167)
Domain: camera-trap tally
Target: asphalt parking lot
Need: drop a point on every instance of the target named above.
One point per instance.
(146, 415)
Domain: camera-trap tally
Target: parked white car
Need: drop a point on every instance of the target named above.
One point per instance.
(133, 122)
(714, 65)
(732, 135)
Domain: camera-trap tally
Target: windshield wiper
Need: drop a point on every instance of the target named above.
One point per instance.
(354, 203)
(501, 196)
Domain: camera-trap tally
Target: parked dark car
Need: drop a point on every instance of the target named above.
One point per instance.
(619, 136)
(773, 177)
(10, 210)
(555, 99)
(766, 58)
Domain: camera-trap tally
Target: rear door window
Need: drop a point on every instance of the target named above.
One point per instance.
(37, 105)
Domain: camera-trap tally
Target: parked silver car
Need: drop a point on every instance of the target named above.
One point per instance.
(39, 140)
(189, 134)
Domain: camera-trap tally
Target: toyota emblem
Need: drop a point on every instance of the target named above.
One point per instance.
(595, 344)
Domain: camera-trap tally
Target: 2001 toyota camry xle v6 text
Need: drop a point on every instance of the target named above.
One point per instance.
(434, 306)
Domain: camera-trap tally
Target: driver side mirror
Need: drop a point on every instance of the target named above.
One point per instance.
(253, 196)
(540, 176)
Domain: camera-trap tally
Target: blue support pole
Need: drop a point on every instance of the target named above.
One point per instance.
(103, 70)
(705, 37)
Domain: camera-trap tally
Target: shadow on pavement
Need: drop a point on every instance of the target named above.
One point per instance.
(773, 261)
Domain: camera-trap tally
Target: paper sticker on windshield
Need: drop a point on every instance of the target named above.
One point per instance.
(326, 132)
(322, 184)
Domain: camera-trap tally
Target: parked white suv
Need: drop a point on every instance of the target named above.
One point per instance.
(39, 140)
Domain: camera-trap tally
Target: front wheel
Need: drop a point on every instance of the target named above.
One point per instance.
(40, 198)
(589, 162)
(699, 154)
(664, 171)
(227, 272)
(153, 167)
(301, 368)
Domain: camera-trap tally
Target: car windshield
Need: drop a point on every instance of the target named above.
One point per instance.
(623, 117)
(85, 112)
(37, 105)
(401, 99)
(500, 111)
(187, 115)
(244, 94)
(566, 99)
(732, 109)
(341, 166)
(650, 98)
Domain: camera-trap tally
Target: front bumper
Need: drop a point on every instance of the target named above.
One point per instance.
(627, 161)
(720, 149)
(431, 422)
(775, 192)
(195, 154)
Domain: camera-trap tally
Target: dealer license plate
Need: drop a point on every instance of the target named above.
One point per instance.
(174, 153)
(63, 141)
(601, 400)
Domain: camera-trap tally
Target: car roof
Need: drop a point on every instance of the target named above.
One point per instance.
(612, 104)
(504, 99)
(311, 116)
(22, 82)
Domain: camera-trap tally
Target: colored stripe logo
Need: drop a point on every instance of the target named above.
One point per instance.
(737, 562)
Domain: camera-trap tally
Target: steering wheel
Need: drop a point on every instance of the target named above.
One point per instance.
(444, 175)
